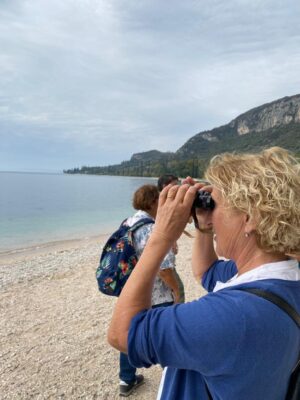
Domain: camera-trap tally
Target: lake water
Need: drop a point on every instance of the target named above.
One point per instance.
(38, 208)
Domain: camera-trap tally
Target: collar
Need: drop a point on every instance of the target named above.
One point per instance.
(286, 270)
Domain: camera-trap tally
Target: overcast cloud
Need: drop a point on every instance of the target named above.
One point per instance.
(90, 82)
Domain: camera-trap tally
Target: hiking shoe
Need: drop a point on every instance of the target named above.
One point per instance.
(127, 388)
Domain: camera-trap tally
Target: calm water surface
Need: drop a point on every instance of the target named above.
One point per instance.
(37, 208)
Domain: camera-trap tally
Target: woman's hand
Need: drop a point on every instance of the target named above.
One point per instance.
(174, 210)
(202, 218)
(191, 181)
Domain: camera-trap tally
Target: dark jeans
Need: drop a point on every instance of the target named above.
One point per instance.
(127, 371)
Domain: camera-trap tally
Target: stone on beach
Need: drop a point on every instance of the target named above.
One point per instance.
(54, 322)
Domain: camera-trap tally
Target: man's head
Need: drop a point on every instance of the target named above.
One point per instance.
(165, 180)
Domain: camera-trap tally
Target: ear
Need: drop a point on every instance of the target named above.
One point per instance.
(250, 224)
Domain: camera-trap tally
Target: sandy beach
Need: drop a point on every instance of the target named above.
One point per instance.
(54, 323)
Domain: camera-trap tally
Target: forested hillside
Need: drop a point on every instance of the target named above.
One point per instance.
(272, 124)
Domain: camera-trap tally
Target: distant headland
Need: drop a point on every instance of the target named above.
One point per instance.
(272, 124)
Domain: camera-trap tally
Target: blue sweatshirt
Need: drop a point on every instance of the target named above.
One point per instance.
(241, 346)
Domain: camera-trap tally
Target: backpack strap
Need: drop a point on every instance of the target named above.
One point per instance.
(293, 388)
(277, 300)
(141, 222)
(286, 307)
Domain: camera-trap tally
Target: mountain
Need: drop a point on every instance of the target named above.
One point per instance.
(272, 124)
(276, 123)
(152, 155)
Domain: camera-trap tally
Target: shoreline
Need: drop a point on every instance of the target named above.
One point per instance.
(54, 324)
(54, 238)
(15, 254)
(49, 259)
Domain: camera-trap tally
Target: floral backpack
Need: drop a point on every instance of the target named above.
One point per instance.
(118, 258)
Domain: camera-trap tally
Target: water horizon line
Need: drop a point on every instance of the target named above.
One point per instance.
(49, 172)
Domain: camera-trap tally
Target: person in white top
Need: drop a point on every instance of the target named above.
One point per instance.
(165, 289)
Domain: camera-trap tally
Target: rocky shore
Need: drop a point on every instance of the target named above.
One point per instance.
(54, 322)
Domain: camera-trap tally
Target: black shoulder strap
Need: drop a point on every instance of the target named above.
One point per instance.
(286, 307)
(277, 300)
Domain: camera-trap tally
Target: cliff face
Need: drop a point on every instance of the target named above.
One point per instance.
(277, 113)
(276, 123)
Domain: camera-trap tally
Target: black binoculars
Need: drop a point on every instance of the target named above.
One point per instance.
(203, 200)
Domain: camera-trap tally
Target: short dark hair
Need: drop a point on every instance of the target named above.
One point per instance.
(165, 180)
(144, 197)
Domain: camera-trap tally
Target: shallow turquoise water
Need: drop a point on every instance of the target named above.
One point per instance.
(37, 208)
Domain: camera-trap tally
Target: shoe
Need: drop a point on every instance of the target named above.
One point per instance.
(127, 388)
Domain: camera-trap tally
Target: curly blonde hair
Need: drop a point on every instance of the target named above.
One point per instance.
(265, 186)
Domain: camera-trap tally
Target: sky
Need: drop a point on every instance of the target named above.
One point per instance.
(91, 82)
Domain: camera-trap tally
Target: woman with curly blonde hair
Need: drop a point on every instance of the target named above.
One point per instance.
(230, 344)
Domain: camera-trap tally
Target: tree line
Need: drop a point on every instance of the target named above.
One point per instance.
(194, 167)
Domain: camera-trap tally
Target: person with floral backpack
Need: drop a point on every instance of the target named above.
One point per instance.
(166, 290)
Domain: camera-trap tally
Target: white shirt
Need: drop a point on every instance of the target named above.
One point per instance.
(161, 293)
(286, 270)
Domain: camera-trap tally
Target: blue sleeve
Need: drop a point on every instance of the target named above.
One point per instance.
(197, 336)
(220, 271)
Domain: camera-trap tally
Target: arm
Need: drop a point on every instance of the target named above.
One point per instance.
(197, 328)
(168, 277)
(175, 248)
(166, 272)
(173, 213)
(203, 254)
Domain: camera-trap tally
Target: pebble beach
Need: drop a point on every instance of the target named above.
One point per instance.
(54, 322)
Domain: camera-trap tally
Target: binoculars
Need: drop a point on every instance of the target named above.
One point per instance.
(203, 200)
